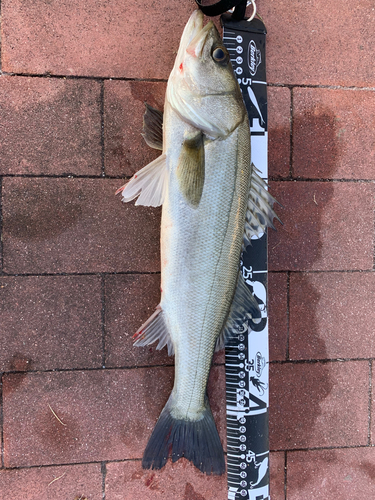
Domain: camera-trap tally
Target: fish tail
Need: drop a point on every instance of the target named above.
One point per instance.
(196, 440)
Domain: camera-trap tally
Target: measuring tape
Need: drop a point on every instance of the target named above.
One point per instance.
(246, 355)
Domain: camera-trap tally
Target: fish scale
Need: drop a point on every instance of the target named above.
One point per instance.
(214, 244)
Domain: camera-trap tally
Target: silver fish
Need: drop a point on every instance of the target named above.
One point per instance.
(213, 203)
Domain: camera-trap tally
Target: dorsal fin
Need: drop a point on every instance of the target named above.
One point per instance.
(150, 184)
(153, 127)
(260, 213)
(244, 306)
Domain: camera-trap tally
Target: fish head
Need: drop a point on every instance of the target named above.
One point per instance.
(202, 87)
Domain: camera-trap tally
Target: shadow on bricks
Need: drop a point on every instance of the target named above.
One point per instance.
(299, 389)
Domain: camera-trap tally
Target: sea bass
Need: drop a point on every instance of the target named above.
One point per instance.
(213, 203)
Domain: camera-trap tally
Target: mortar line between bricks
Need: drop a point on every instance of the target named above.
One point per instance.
(67, 464)
(119, 273)
(1, 420)
(84, 369)
(315, 361)
(320, 271)
(103, 469)
(97, 78)
(171, 364)
(70, 464)
(102, 142)
(64, 176)
(103, 310)
(146, 273)
(287, 315)
(291, 127)
(285, 474)
(1, 40)
(125, 460)
(321, 448)
(1, 229)
(164, 80)
(317, 86)
(312, 179)
(122, 177)
(370, 402)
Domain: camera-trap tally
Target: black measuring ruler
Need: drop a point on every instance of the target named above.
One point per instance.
(246, 355)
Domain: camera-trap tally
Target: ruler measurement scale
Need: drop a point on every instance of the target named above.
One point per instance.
(246, 356)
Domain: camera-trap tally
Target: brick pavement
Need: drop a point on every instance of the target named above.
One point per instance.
(80, 270)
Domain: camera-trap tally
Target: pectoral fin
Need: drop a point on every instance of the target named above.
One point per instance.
(190, 169)
(150, 184)
(153, 127)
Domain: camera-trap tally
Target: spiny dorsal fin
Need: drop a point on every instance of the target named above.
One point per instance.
(155, 328)
(190, 169)
(150, 184)
(153, 127)
(244, 306)
(259, 213)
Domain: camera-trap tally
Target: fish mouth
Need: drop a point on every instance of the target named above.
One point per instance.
(192, 34)
(193, 27)
(195, 47)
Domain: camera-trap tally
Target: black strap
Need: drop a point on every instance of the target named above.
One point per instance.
(222, 6)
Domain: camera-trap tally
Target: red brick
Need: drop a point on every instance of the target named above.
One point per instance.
(180, 481)
(73, 482)
(115, 39)
(332, 138)
(279, 131)
(278, 316)
(277, 475)
(76, 225)
(125, 149)
(108, 414)
(327, 474)
(310, 406)
(50, 322)
(332, 315)
(130, 300)
(49, 126)
(326, 226)
(328, 43)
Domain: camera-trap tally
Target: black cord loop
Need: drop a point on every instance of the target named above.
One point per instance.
(222, 6)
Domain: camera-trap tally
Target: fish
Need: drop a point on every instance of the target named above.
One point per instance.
(213, 202)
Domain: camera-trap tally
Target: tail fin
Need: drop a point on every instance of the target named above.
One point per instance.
(196, 440)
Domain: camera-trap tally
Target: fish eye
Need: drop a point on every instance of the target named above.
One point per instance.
(220, 55)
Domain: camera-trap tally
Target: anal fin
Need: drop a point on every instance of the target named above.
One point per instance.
(155, 328)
